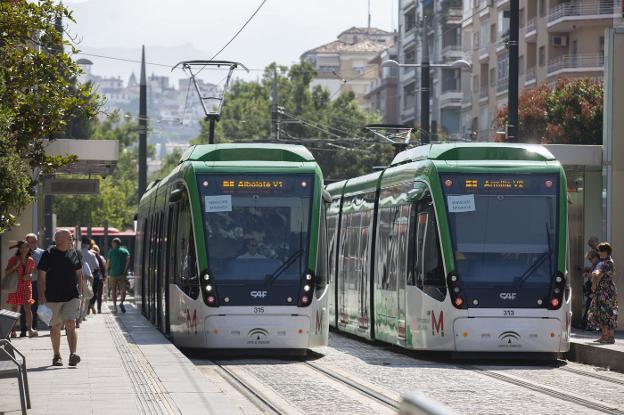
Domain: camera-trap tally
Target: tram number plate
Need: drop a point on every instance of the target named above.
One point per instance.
(258, 310)
(508, 313)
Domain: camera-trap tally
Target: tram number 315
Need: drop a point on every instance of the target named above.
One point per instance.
(508, 313)
(258, 310)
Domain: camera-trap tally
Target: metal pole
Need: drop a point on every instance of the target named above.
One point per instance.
(142, 128)
(211, 122)
(425, 81)
(274, 115)
(514, 29)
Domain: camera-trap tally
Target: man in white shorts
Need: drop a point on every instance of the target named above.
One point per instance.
(60, 284)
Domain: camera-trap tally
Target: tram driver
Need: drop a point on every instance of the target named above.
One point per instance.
(251, 250)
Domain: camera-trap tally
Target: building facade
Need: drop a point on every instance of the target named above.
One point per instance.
(347, 64)
(557, 39)
(431, 28)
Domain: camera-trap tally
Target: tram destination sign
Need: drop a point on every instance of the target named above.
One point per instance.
(278, 184)
(479, 183)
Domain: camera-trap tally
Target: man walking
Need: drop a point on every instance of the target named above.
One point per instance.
(60, 284)
(37, 252)
(89, 258)
(118, 263)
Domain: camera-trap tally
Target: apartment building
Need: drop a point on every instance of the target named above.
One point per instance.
(439, 24)
(346, 64)
(557, 39)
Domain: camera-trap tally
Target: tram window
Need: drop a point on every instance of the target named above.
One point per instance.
(186, 275)
(432, 272)
(412, 251)
(171, 244)
(144, 264)
(321, 254)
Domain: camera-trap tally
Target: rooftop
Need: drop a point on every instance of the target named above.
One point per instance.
(364, 30)
(338, 46)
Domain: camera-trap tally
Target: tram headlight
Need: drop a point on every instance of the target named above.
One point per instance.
(206, 277)
(208, 288)
(308, 277)
(306, 288)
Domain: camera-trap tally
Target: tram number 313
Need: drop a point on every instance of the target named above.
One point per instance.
(258, 310)
(508, 313)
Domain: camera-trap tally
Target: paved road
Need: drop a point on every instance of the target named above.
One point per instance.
(352, 375)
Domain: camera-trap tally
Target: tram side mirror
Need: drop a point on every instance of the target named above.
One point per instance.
(326, 196)
(176, 195)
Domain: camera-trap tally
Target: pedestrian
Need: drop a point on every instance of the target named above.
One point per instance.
(98, 282)
(32, 240)
(87, 290)
(24, 265)
(60, 285)
(117, 267)
(603, 311)
(593, 258)
(89, 257)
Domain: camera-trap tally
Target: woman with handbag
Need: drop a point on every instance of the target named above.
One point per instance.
(23, 265)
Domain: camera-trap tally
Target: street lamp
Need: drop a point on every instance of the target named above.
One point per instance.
(424, 89)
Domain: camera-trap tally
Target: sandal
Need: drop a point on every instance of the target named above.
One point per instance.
(33, 333)
(13, 335)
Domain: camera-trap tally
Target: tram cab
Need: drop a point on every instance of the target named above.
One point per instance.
(234, 249)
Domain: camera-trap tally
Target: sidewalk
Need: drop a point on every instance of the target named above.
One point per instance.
(127, 367)
(584, 350)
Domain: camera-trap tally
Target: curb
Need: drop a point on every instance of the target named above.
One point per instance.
(597, 356)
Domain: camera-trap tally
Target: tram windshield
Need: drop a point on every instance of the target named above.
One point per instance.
(503, 228)
(257, 226)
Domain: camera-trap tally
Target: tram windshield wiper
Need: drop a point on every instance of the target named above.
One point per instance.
(291, 259)
(539, 261)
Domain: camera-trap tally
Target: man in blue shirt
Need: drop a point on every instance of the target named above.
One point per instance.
(32, 241)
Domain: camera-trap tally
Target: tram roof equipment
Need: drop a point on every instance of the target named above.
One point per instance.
(475, 151)
(248, 152)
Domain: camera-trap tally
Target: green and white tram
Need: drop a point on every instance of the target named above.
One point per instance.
(232, 249)
(458, 247)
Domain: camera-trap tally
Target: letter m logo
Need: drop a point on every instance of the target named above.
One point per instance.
(437, 325)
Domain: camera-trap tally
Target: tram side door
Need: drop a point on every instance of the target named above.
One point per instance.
(402, 234)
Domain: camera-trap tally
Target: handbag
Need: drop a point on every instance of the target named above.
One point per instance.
(9, 282)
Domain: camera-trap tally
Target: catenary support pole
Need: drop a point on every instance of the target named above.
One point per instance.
(514, 32)
(142, 127)
(425, 81)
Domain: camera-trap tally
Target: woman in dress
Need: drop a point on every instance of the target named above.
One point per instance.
(22, 263)
(603, 311)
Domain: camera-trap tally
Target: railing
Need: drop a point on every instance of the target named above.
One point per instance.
(583, 8)
(531, 25)
(501, 2)
(502, 85)
(455, 13)
(575, 62)
(484, 93)
(484, 49)
(452, 49)
(530, 74)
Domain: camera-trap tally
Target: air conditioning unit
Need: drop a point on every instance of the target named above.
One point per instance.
(560, 41)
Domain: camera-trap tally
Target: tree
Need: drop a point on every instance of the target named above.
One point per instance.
(332, 130)
(36, 98)
(569, 113)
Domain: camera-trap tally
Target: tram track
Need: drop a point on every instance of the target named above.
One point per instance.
(241, 385)
(546, 390)
(357, 386)
(598, 376)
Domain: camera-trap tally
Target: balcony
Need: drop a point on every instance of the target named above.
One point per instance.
(530, 34)
(484, 51)
(501, 86)
(409, 37)
(575, 63)
(484, 93)
(452, 52)
(454, 14)
(501, 3)
(451, 98)
(501, 42)
(530, 77)
(565, 17)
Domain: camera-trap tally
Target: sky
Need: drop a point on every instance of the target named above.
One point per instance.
(196, 29)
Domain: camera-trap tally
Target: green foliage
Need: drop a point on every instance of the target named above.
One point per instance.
(118, 201)
(569, 113)
(168, 164)
(37, 97)
(332, 130)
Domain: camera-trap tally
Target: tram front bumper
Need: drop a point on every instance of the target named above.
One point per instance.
(496, 334)
(257, 331)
